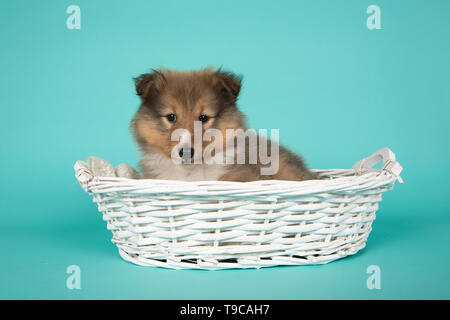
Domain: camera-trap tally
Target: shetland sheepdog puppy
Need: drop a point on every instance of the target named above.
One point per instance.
(188, 127)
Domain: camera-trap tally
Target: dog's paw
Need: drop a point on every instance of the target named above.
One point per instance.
(124, 170)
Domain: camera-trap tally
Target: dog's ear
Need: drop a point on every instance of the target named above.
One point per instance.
(227, 84)
(149, 84)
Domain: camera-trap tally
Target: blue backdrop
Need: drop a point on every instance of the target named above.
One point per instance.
(337, 91)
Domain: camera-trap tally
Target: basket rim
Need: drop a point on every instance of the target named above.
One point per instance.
(361, 177)
(343, 180)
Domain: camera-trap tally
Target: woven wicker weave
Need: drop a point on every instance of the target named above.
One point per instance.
(219, 225)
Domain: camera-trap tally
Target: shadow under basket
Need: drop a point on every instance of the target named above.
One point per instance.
(223, 225)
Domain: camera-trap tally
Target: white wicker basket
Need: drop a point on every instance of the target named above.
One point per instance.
(220, 225)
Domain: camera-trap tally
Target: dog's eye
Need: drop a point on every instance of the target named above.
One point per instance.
(203, 118)
(172, 117)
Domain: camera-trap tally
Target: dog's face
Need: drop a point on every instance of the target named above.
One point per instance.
(173, 100)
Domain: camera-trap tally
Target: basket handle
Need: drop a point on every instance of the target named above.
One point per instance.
(83, 174)
(389, 164)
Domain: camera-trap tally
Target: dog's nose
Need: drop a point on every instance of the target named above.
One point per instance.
(186, 152)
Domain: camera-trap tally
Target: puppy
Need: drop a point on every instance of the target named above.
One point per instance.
(178, 106)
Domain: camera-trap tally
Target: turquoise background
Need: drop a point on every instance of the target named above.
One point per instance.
(336, 90)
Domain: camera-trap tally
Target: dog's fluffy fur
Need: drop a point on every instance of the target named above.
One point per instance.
(188, 95)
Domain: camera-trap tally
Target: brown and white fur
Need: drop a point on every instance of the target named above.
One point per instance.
(190, 95)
